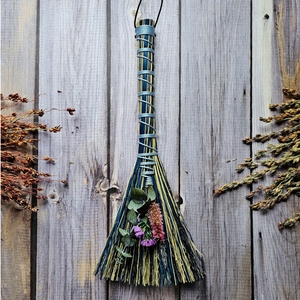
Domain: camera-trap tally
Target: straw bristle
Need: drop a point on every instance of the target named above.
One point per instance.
(174, 261)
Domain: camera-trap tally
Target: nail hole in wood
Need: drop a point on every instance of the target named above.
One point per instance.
(266, 17)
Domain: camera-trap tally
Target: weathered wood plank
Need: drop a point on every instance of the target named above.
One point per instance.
(276, 44)
(18, 55)
(214, 117)
(215, 112)
(72, 223)
(124, 109)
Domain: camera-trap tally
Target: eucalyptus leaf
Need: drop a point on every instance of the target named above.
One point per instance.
(138, 201)
(132, 242)
(138, 194)
(131, 205)
(151, 193)
(144, 220)
(119, 249)
(132, 217)
(127, 241)
(135, 206)
(127, 254)
(123, 232)
(118, 261)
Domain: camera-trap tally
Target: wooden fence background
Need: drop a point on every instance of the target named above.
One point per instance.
(218, 66)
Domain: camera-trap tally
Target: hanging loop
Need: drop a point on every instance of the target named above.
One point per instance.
(137, 10)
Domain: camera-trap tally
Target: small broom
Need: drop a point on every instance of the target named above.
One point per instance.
(149, 243)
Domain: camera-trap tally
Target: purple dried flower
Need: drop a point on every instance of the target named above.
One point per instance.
(139, 233)
(148, 242)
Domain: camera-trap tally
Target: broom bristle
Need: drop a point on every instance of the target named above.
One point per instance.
(172, 261)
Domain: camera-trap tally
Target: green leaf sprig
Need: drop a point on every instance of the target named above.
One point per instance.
(136, 215)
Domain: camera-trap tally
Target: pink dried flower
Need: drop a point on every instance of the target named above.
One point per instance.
(156, 221)
(148, 242)
(139, 233)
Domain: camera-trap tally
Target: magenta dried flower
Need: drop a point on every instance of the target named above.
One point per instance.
(139, 233)
(148, 242)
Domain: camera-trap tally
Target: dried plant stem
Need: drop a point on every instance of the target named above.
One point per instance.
(287, 155)
(17, 166)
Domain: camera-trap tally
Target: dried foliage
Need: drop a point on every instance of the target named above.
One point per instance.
(286, 155)
(19, 178)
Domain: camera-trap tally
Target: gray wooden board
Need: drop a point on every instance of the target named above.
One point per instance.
(200, 125)
(72, 222)
(276, 53)
(215, 112)
(124, 109)
(18, 55)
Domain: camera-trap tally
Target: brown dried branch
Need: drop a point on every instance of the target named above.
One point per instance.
(17, 166)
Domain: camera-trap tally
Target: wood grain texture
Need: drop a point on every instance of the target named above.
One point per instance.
(72, 223)
(124, 109)
(18, 56)
(215, 112)
(276, 64)
(203, 80)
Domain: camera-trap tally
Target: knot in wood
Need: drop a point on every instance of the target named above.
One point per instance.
(53, 196)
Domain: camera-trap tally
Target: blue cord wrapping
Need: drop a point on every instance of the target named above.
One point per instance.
(146, 98)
